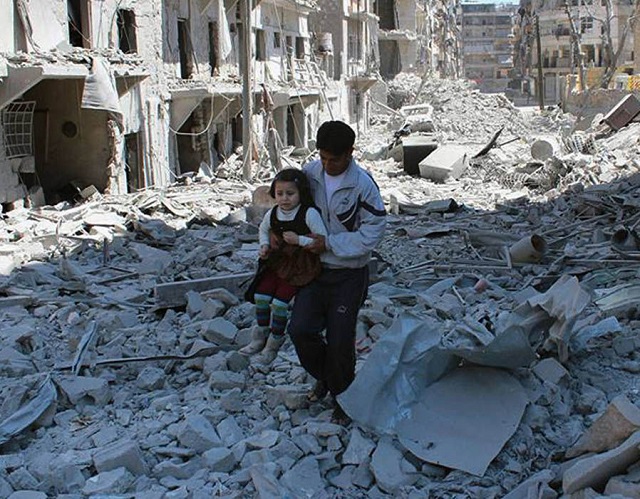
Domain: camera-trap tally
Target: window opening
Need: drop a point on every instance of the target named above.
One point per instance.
(126, 21)
(78, 22)
(185, 47)
(17, 121)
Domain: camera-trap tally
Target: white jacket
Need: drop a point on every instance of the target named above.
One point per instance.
(354, 217)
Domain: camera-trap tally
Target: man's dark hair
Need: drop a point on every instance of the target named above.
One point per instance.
(335, 137)
(298, 178)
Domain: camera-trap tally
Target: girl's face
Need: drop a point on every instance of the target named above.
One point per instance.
(287, 195)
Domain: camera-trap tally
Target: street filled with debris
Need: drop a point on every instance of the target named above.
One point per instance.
(497, 348)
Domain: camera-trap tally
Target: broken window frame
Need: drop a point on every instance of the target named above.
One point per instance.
(17, 127)
(127, 31)
(79, 26)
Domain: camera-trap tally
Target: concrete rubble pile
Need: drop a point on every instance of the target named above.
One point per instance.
(497, 348)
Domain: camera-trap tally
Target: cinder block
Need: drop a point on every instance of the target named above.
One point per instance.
(448, 161)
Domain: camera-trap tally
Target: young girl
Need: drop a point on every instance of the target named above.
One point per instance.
(285, 264)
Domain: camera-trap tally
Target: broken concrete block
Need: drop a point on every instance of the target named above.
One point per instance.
(620, 420)
(265, 440)
(223, 295)
(344, 479)
(623, 112)
(83, 390)
(229, 431)
(595, 471)
(414, 149)
(220, 460)
(448, 161)
(27, 494)
(179, 470)
(265, 482)
(173, 294)
(362, 476)
(550, 370)
(151, 378)
(627, 489)
(289, 396)
(386, 466)
(358, 449)
(124, 453)
(195, 303)
(304, 478)
(13, 364)
(109, 482)
(535, 486)
(198, 434)
(219, 331)
(226, 380)
(21, 479)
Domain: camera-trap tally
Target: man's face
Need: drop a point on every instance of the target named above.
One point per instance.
(335, 164)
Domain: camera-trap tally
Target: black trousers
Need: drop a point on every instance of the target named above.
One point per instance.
(330, 303)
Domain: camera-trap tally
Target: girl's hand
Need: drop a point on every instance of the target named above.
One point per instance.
(291, 238)
(264, 251)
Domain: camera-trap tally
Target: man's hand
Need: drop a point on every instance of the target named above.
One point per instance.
(291, 237)
(263, 252)
(318, 245)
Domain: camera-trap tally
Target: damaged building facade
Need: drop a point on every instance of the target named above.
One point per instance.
(581, 37)
(119, 96)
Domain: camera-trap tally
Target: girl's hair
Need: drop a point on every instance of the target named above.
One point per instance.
(298, 178)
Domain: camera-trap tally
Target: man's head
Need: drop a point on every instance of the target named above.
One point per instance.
(334, 142)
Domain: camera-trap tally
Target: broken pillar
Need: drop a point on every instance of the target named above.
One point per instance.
(448, 161)
(414, 149)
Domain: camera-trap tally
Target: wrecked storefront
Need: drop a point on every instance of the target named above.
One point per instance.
(497, 349)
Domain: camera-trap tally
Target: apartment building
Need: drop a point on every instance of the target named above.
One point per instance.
(441, 48)
(487, 39)
(345, 46)
(559, 55)
(127, 94)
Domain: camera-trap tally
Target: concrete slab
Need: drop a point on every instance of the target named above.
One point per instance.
(448, 161)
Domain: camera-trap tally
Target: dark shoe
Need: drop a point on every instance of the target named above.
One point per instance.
(340, 417)
(319, 392)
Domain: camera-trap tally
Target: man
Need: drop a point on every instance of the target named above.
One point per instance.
(354, 215)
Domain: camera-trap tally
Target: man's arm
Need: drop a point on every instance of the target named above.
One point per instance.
(370, 232)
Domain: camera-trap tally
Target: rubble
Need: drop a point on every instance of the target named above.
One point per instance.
(479, 374)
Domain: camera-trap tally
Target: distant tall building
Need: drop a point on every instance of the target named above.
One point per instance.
(487, 39)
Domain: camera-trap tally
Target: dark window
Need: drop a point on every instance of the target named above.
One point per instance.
(133, 162)
(126, 20)
(213, 43)
(277, 42)
(299, 47)
(186, 50)
(78, 23)
(261, 52)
